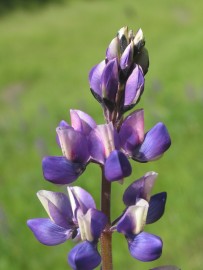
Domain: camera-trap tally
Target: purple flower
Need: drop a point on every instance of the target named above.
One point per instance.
(141, 209)
(112, 149)
(141, 189)
(104, 149)
(74, 144)
(138, 145)
(74, 217)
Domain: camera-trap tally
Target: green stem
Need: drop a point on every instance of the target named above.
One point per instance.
(106, 236)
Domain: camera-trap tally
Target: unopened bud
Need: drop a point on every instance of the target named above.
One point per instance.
(113, 51)
(127, 57)
(123, 38)
(139, 39)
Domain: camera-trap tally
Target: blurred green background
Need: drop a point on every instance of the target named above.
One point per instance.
(45, 56)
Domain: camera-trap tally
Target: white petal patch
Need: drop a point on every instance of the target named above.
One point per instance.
(138, 213)
(73, 202)
(84, 223)
(138, 37)
(141, 215)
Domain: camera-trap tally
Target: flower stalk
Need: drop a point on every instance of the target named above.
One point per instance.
(106, 236)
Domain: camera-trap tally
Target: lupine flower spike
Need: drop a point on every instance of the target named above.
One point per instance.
(117, 83)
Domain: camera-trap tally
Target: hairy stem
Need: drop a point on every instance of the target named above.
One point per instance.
(106, 236)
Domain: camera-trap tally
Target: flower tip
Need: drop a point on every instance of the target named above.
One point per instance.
(123, 31)
(139, 38)
(39, 193)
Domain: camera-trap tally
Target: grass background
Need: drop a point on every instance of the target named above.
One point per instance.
(45, 57)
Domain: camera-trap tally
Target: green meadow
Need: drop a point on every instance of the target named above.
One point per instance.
(45, 57)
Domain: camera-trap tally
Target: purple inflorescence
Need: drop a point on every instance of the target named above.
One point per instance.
(117, 83)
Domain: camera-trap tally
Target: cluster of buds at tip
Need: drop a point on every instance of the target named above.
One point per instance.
(118, 81)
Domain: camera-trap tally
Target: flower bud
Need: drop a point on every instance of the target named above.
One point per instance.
(113, 51)
(139, 41)
(127, 57)
(134, 88)
(123, 38)
(109, 80)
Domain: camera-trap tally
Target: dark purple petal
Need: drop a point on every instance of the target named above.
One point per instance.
(84, 256)
(126, 224)
(140, 188)
(59, 170)
(47, 232)
(134, 87)
(156, 207)
(82, 122)
(145, 247)
(74, 144)
(98, 222)
(142, 59)
(110, 80)
(156, 142)
(132, 131)
(166, 267)
(117, 166)
(127, 57)
(95, 78)
(57, 206)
